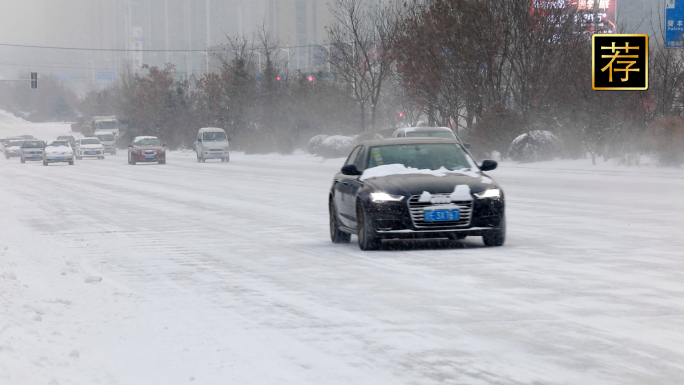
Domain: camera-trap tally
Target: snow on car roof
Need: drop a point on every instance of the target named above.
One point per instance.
(145, 137)
(103, 133)
(211, 129)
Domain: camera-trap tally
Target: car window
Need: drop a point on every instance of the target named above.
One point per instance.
(360, 160)
(90, 141)
(147, 142)
(432, 156)
(352, 156)
(33, 144)
(431, 134)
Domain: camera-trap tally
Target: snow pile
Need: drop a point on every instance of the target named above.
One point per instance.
(534, 146)
(336, 146)
(400, 169)
(314, 144)
(461, 193)
(92, 279)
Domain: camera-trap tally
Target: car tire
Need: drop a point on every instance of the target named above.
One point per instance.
(78, 158)
(162, 161)
(496, 237)
(71, 162)
(23, 160)
(368, 239)
(45, 163)
(113, 152)
(336, 235)
(203, 160)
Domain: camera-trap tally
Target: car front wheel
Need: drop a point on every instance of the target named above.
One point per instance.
(368, 239)
(23, 160)
(496, 237)
(336, 235)
(45, 163)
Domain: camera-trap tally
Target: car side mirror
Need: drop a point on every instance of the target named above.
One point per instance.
(466, 145)
(350, 169)
(130, 145)
(488, 165)
(164, 145)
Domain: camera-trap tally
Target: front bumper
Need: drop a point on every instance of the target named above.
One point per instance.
(91, 153)
(28, 157)
(148, 157)
(59, 158)
(215, 154)
(12, 154)
(393, 220)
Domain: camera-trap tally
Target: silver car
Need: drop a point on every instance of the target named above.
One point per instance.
(58, 151)
(32, 150)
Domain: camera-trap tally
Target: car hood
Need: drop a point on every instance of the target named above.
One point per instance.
(50, 150)
(91, 146)
(14, 148)
(415, 184)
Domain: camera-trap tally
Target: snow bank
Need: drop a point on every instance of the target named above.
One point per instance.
(534, 146)
(314, 144)
(336, 146)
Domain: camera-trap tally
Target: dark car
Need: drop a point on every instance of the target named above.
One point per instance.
(415, 188)
(68, 138)
(146, 149)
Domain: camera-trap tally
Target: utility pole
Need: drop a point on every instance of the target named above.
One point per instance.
(596, 13)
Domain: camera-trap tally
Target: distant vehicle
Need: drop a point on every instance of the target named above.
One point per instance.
(212, 143)
(32, 150)
(103, 124)
(12, 147)
(146, 149)
(427, 132)
(415, 188)
(89, 147)
(108, 141)
(58, 151)
(68, 138)
(28, 137)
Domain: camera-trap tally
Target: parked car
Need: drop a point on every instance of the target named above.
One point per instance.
(32, 150)
(146, 149)
(58, 151)
(68, 138)
(89, 147)
(428, 132)
(108, 141)
(212, 143)
(28, 137)
(415, 188)
(12, 147)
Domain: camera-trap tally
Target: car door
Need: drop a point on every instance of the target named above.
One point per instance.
(354, 184)
(341, 193)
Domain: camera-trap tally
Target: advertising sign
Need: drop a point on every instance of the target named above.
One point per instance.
(106, 76)
(674, 23)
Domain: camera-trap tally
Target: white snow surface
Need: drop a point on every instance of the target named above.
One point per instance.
(399, 169)
(224, 273)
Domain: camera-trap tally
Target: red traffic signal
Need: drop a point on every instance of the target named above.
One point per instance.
(401, 114)
(278, 78)
(310, 78)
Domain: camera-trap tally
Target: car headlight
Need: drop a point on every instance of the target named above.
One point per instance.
(491, 193)
(385, 197)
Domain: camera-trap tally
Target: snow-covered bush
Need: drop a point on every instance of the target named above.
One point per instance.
(534, 146)
(314, 144)
(336, 146)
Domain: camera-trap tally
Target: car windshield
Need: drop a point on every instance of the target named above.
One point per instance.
(108, 125)
(431, 134)
(147, 142)
(107, 138)
(33, 144)
(13, 143)
(67, 138)
(28, 136)
(90, 141)
(59, 143)
(214, 136)
(431, 156)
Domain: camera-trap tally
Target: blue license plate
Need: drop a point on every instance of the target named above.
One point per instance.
(149, 156)
(216, 155)
(91, 152)
(441, 215)
(59, 158)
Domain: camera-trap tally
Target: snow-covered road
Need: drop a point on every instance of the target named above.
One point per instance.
(224, 274)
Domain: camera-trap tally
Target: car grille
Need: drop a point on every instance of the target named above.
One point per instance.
(150, 152)
(416, 211)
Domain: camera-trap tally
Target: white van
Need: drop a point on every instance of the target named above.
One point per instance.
(108, 141)
(212, 143)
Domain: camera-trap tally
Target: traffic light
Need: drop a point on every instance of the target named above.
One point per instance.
(310, 78)
(278, 78)
(401, 114)
(34, 80)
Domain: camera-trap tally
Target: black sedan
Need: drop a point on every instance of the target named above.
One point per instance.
(415, 188)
